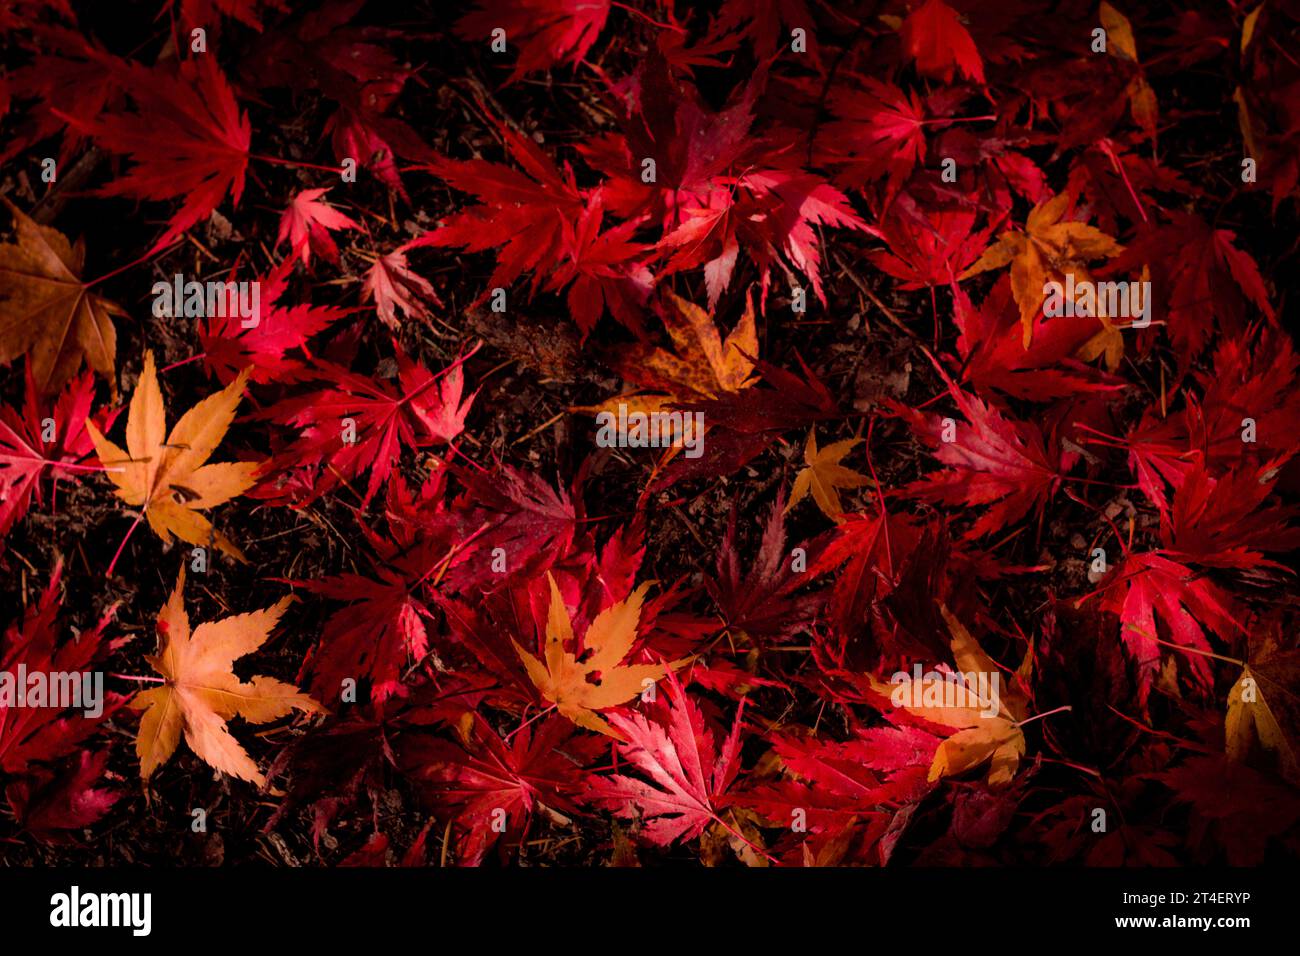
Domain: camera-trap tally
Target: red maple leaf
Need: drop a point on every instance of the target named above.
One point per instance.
(829, 787)
(878, 133)
(761, 603)
(36, 740)
(186, 136)
(545, 32)
(43, 440)
(384, 626)
(1209, 281)
(229, 347)
(768, 212)
(393, 286)
(492, 787)
(1248, 392)
(994, 356)
(323, 50)
(664, 119)
(1159, 599)
(679, 752)
(357, 423)
(933, 36)
(993, 460)
(1224, 522)
(307, 224)
(604, 271)
(527, 216)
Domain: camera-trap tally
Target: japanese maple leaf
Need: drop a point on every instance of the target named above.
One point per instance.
(760, 604)
(1047, 249)
(326, 49)
(200, 692)
(984, 729)
(933, 36)
(1262, 705)
(516, 511)
(878, 133)
(689, 774)
(1254, 378)
(742, 424)
(186, 136)
(71, 74)
(393, 287)
(767, 212)
(702, 365)
(527, 216)
(229, 347)
(928, 248)
(46, 310)
(1225, 522)
(581, 683)
(358, 423)
(664, 119)
(1158, 599)
(603, 272)
(35, 735)
(50, 767)
(47, 801)
(307, 224)
(994, 357)
(993, 460)
(46, 439)
(823, 475)
(382, 627)
(492, 787)
(838, 784)
(167, 475)
(1208, 280)
(545, 33)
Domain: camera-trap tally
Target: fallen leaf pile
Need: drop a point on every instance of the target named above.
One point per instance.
(732, 434)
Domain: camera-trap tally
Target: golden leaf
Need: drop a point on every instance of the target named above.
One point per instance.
(200, 693)
(168, 478)
(46, 309)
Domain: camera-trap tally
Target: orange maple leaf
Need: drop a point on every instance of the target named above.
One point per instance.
(200, 693)
(823, 475)
(167, 475)
(579, 687)
(1045, 251)
(702, 364)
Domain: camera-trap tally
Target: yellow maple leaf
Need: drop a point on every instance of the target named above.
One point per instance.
(46, 309)
(964, 704)
(1108, 341)
(823, 475)
(166, 476)
(569, 683)
(200, 693)
(702, 364)
(1121, 43)
(1045, 251)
